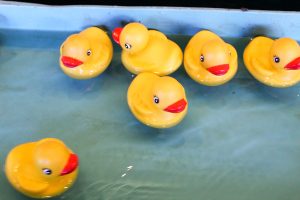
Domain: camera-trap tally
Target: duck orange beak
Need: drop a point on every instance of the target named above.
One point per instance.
(219, 70)
(70, 62)
(294, 65)
(116, 34)
(176, 107)
(71, 165)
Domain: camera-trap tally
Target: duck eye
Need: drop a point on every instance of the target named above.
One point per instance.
(156, 99)
(202, 58)
(47, 171)
(89, 52)
(127, 46)
(276, 59)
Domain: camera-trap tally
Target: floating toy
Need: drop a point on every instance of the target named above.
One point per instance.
(159, 102)
(209, 60)
(42, 169)
(275, 63)
(86, 54)
(147, 50)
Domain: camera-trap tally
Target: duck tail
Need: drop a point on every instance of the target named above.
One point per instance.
(103, 28)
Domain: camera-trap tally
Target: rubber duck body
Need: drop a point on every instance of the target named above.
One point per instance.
(42, 169)
(274, 63)
(147, 50)
(159, 102)
(87, 54)
(209, 60)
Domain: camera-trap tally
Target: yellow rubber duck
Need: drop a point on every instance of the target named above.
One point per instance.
(209, 60)
(42, 169)
(147, 50)
(86, 54)
(275, 63)
(159, 102)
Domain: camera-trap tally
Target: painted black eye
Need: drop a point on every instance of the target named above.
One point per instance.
(276, 59)
(89, 52)
(47, 171)
(156, 99)
(202, 58)
(127, 46)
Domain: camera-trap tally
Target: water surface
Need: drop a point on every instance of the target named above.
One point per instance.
(239, 141)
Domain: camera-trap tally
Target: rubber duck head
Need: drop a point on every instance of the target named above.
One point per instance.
(169, 95)
(76, 51)
(53, 159)
(285, 54)
(132, 38)
(214, 57)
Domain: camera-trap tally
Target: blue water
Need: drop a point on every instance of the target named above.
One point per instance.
(239, 141)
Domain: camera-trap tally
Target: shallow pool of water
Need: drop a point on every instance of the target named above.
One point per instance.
(239, 141)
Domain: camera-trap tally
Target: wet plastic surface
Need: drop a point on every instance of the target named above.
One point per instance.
(238, 141)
